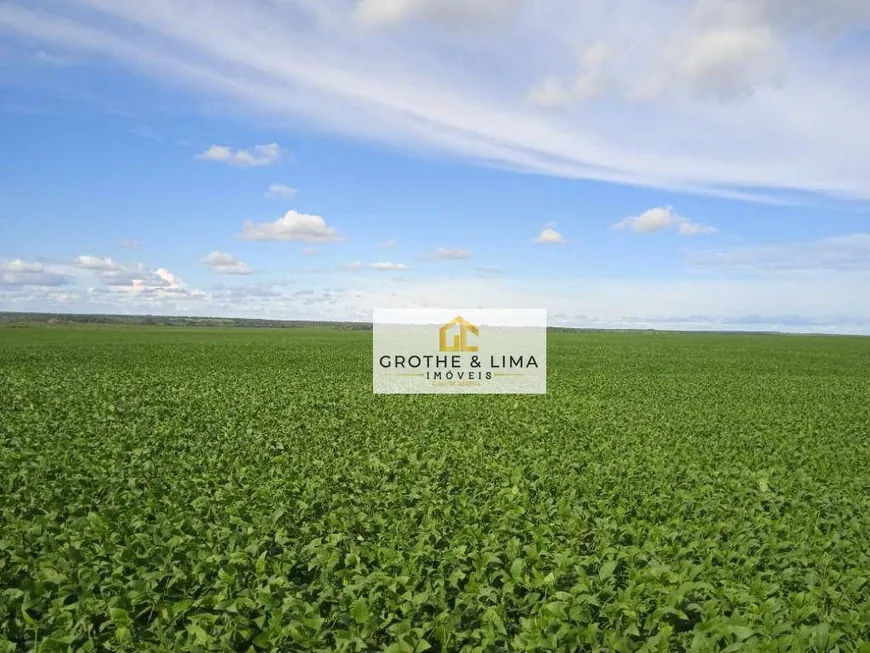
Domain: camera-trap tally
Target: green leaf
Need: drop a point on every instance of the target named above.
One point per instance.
(123, 635)
(360, 611)
(260, 564)
(120, 617)
(516, 570)
(199, 633)
(742, 632)
(607, 569)
(557, 608)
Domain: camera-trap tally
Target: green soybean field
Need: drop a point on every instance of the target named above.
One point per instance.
(241, 489)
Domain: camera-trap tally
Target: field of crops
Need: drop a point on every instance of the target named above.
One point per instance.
(243, 490)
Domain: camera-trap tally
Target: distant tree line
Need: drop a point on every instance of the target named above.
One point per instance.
(170, 320)
(25, 319)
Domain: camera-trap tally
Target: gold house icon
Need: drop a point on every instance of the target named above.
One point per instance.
(460, 341)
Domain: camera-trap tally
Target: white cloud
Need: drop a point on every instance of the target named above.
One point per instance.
(451, 253)
(301, 227)
(550, 235)
(160, 285)
(262, 155)
(380, 266)
(386, 266)
(309, 251)
(725, 58)
(88, 262)
(129, 244)
(172, 280)
(552, 90)
(849, 253)
(138, 275)
(140, 281)
(688, 228)
(223, 263)
(824, 297)
(50, 59)
(450, 12)
(18, 272)
(663, 217)
(727, 62)
(32, 286)
(18, 265)
(388, 243)
(822, 303)
(655, 116)
(281, 191)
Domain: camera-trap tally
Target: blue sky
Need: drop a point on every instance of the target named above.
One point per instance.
(704, 170)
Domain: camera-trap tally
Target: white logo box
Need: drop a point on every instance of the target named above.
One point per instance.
(459, 351)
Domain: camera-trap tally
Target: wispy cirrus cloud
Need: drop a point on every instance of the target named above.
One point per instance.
(837, 254)
(712, 96)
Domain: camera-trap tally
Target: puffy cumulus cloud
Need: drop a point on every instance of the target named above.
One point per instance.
(18, 272)
(261, 155)
(88, 262)
(281, 191)
(550, 235)
(452, 253)
(223, 263)
(171, 280)
(140, 281)
(293, 226)
(663, 217)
